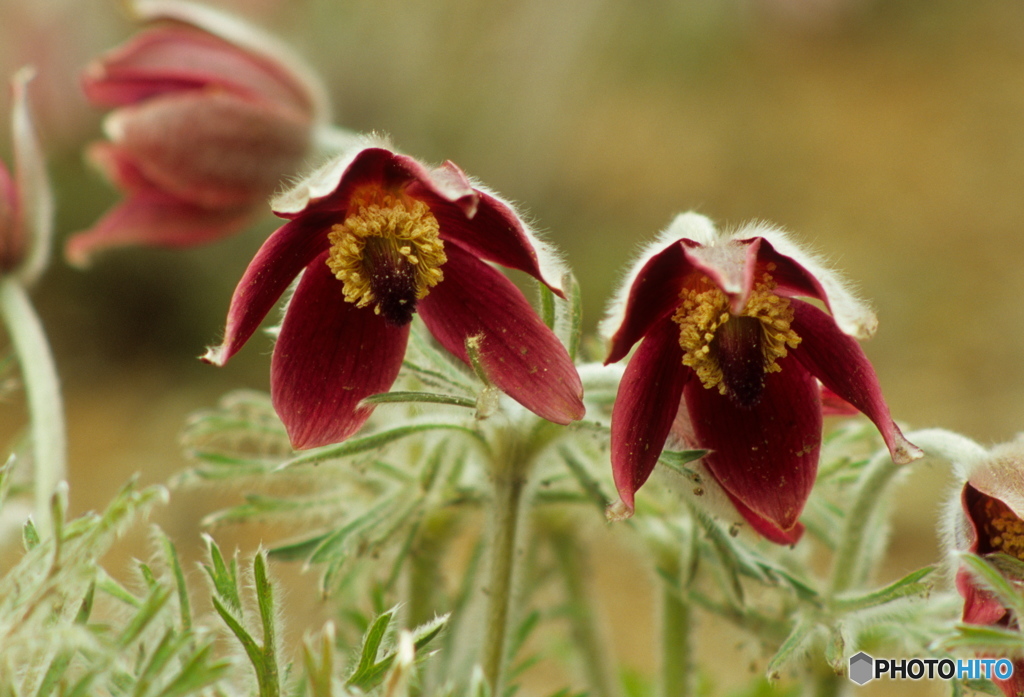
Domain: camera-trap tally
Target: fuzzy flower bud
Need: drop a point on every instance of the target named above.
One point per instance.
(208, 116)
(26, 203)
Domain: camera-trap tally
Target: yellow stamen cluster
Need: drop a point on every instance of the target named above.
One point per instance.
(704, 310)
(379, 227)
(1004, 529)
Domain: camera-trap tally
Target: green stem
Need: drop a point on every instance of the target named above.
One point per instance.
(509, 485)
(42, 389)
(676, 651)
(848, 566)
(586, 637)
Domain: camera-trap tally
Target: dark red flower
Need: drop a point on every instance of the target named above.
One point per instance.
(723, 334)
(988, 518)
(208, 116)
(379, 237)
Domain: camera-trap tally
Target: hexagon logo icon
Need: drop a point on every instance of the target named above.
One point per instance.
(862, 668)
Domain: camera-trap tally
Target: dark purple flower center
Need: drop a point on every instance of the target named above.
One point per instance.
(999, 528)
(738, 346)
(733, 352)
(387, 253)
(392, 280)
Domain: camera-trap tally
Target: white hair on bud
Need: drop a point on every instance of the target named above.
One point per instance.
(853, 315)
(689, 225)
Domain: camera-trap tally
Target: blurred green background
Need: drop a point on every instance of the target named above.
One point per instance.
(887, 134)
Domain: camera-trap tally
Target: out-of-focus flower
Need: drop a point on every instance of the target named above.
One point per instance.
(729, 348)
(208, 116)
(381, 237)
(26, 201)
(987, 517)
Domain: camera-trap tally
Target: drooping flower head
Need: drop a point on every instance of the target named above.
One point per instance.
(208, 116)
(724, 334)
(985, 517)
(26, 201)
(379, 238)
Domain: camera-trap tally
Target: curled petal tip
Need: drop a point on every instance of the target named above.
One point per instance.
(618, 511)
(904, 452)
(215, 355)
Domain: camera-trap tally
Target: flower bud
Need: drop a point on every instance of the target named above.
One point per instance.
(209, 116)
(26, 205)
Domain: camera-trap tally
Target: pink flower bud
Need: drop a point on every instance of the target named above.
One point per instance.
(208, 117)
(26, 205)
(12, 239)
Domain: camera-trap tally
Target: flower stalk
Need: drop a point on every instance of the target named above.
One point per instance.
(848, 569)
(42, 388)
(510, 480)
(677, 565)
(676, 649)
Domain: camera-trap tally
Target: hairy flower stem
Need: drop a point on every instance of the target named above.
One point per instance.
(572, 559)
(510, 475)
(676, 650)
(42, 389)
(848, 569)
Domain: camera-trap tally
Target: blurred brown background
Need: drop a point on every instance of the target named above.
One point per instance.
(888, 134)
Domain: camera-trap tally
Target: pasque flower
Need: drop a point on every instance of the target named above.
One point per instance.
(26, 201)
(729, 349)
(987, 517)
(208, 116)
(379, 237)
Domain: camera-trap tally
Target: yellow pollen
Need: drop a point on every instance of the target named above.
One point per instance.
(702, 312)
(1004, 529)
(400, 230)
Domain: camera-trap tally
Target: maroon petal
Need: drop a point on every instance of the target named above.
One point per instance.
(330, 188)
(765, 456)
(157, 221)
(520, 355)
(165, 60)
(980, 605)
(330, 356)
(791, 277)
(653, 295)
(285, 253)
(645, 407)
(834, 405)
(766, 528)
(839, 362)
(491, 230)
(449, 184)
